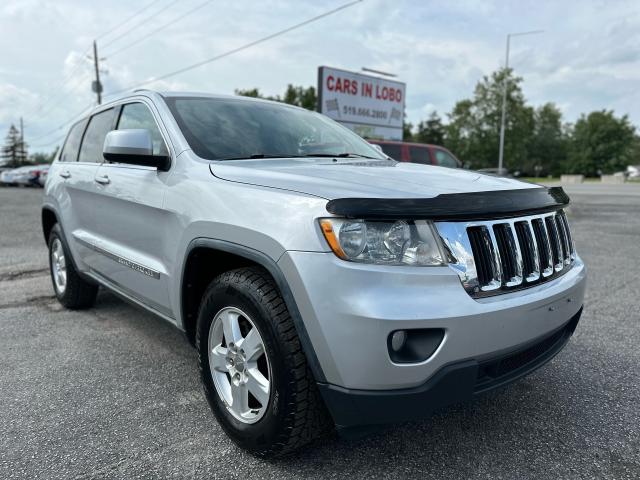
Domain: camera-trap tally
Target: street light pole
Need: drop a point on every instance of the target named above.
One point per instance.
(505, 83)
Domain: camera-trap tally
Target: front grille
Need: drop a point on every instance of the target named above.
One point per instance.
(503, 255)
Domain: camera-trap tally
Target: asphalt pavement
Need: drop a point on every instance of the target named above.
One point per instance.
(113, 392)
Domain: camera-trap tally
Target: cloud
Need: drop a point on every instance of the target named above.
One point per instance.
(588, 58)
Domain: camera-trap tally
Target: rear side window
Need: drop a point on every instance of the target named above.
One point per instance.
(392, 150)
(137, 115)
(445, 160)
(93, 140)
(419, 155)
(70, 149)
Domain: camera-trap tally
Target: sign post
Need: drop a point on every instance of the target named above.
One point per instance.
(371, 106)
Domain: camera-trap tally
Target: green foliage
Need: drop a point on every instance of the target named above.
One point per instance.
(407, 131)
(548, 151)
(40, 158)
(473, 131)
(430, 130)
(293, 95)
(601, 143)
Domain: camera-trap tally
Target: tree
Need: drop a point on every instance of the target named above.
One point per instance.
(301, 97)
(431, 130)
(601, 143)
(293, 95)
(548, 150)
(39, 158)
(407, 131)
(14, 152)
(474, 124)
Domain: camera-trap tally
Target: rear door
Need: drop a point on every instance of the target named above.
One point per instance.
(79, 165)
(130, 234)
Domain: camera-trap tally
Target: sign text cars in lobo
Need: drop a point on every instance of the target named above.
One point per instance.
(371, 106)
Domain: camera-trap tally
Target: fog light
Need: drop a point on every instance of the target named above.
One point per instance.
(398, 340)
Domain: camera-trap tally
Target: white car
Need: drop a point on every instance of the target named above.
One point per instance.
(633, 171)
(25, 176)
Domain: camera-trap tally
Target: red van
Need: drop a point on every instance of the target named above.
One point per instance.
(418, 153)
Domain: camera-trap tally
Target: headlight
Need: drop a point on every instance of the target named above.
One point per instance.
(385, 243)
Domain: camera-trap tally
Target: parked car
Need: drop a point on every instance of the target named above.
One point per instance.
(44, 171)
(27, 176)
(633, 171)
(418, 153)
(322, 283)
(6, 176)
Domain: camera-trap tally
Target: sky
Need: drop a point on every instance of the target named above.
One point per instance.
(587, 58)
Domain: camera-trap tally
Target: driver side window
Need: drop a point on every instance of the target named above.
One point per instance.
(137, 115)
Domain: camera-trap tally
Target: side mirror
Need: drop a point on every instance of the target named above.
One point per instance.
(133, 146)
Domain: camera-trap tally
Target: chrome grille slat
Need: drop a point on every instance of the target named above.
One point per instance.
(546, 256)
(527, 240)
(499, 256)
(554, 240)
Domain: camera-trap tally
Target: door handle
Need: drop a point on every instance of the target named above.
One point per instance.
(65, 174)
(103, 180)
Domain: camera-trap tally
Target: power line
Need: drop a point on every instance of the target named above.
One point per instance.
(71, 120)
(64, 95)
(146, 19)
(56, 140)
(78, 66)
(153, 32)
(238, 49)
(118, 25)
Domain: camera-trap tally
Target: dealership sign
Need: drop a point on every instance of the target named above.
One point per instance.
(371, 106)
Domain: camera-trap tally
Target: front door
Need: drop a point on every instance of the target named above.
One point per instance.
(130, 232)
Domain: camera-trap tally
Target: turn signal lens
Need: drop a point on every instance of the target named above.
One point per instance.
(330, 236)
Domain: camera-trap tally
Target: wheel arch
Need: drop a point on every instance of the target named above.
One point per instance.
(48, 219)
(206, 258)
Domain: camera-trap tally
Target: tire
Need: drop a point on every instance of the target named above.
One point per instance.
(295, 414)
(74, 293)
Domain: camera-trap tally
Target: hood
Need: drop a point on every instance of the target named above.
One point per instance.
(352, 178)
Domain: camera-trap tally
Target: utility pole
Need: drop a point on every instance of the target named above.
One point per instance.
(22, 152)
(505, 82)
(97, 86)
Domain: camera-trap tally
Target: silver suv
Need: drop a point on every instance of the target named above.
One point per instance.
(323, 284)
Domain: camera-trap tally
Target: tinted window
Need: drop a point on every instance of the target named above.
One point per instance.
(394, 151)
(93, 140)
(419, 155)
(224, 129)
(137, 115)
(70, 149)
(445, 160)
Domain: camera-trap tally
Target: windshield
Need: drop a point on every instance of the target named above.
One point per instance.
(225, 129)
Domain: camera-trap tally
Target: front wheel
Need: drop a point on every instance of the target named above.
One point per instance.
(254, 372)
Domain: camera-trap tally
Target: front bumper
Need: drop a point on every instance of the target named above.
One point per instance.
(354, 410)
(349, 310)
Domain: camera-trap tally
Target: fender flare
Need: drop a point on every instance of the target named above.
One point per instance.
(274, 270)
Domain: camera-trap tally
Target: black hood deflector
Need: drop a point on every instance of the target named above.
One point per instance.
(455, 206)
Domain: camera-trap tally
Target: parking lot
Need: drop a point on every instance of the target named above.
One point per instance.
(113, 392)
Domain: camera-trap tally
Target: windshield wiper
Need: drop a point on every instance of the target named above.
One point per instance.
(340, 155)
(260, 155)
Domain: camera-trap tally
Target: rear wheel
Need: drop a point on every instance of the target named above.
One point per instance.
(71, 290)
(254, 372)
